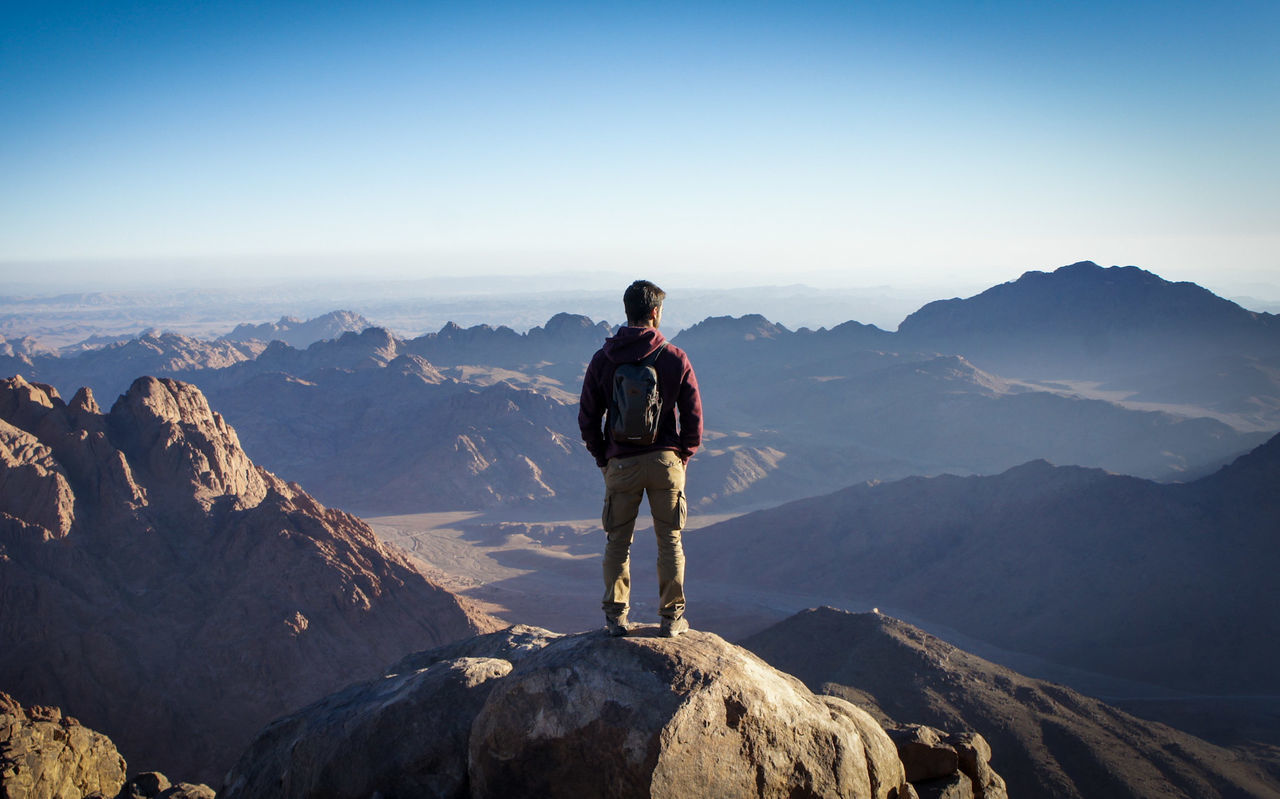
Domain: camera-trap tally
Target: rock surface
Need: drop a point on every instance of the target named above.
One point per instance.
(174, 593)
(582, 715)
(46, 755)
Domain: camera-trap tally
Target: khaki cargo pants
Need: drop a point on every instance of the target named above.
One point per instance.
(626, 481)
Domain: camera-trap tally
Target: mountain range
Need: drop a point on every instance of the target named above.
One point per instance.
(1172, 584)
(790, 413)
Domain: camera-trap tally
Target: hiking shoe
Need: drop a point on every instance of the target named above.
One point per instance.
(672, 627)
(617, 625)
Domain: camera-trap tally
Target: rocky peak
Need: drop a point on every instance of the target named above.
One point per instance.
(84, 402)
(717, 329)
(142, 551)
(570, 328)
(168, 428)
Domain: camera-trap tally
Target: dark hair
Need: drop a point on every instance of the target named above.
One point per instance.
(640, 298)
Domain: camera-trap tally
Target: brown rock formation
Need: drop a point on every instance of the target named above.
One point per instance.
(177, 595)
(528, 713)
(45, 755)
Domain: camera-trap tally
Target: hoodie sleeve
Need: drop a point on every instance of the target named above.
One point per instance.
(689, 406)
(591, 409)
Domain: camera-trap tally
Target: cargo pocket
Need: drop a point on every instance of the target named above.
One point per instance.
(682, 511)
(607, 512)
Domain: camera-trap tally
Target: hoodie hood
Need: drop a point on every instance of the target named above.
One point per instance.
(632, 344)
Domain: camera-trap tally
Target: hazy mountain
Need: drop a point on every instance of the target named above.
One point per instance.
(22, 347)
(1103, 572)
(297, 333)
(816, 394)
(1124, 327)
(109, 370)
(1093, 311)
(1047, 740)
(174, 593)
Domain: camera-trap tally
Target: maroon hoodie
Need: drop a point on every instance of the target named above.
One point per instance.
(677, 387)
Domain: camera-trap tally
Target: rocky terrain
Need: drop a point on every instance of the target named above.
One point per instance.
(47, 755)
(525, 712)
(173, 593)
(1047, 740)
(1159, 583)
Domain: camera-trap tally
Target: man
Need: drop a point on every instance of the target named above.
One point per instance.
(630, 470)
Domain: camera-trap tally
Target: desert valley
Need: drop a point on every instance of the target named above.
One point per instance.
(1030, 535)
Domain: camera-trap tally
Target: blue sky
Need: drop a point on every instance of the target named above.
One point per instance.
(697, 143)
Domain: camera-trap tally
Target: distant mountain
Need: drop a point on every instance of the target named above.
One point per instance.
(1102, 572)
(845, 407)
(1095, 308)
(109, 370)
(558, 349)
(1047, 740)
(1122, 326)
(174, 593)
(300, 334)
(22, 347)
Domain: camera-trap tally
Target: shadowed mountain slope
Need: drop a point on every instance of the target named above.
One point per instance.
(1048, 741)
(1107, 573)
(175, 594)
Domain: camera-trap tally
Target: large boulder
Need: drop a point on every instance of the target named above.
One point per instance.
(404, 735)
(527, 713)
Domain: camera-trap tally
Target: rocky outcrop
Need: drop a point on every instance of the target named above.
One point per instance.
(525, 712)
(154, 785)
(173, 592)
(950, 765)
(46, 755)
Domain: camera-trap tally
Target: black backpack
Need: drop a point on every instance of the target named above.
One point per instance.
(635, 405)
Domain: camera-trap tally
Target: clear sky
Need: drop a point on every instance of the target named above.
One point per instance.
(842, 143)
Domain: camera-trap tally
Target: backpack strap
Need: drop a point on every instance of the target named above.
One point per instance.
(652, 358)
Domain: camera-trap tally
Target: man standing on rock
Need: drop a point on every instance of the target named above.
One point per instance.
(641, 417)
